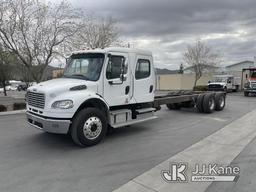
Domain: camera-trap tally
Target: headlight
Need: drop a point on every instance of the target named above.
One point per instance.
(64, 104)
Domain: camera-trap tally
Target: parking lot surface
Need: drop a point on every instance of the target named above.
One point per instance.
(34, 161)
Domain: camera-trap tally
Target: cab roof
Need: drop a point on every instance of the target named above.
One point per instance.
(114, 49)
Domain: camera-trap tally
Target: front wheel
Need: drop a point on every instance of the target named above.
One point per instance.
(88, 127)
(246, 94)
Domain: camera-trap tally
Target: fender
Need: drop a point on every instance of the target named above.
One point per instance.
(96, 101)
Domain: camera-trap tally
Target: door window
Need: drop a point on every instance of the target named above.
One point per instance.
(115, 66)
(142, 69)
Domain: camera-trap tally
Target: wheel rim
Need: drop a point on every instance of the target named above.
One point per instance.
(92, 128)
(222, 102)
(211, 104)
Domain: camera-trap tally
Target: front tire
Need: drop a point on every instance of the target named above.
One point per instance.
(89, 127)
(246, 94)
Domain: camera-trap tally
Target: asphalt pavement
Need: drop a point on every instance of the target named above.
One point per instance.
(31, 160)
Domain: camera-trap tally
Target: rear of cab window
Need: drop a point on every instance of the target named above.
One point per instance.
(142, 69)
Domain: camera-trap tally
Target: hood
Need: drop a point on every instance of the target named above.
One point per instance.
(60, 85)
(252, 79)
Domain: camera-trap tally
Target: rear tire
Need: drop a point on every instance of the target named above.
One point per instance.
(209, 103)
(237, 88)
(220, 101)
(246, 94)
(199, 103)
(89, 127)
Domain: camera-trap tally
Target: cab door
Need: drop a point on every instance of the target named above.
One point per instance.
(144, 82)
(230, 82)
(117, 90)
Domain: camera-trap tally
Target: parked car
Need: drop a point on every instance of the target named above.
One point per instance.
(22, 87)
(13, 88)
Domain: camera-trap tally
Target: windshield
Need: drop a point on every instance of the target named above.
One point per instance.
(220, 79)
(85, 66)
(253, 74)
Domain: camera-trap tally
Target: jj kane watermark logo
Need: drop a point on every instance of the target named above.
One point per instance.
(178, 172)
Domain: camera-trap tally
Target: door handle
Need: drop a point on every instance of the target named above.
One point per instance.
(151, 88)
(127, 90)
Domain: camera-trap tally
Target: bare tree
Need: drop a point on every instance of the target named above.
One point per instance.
(7, 62)
(98, 33)
(24, 74)
(201, 59)
(34, 31)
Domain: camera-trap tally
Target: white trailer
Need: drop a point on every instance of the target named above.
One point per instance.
(106, 88)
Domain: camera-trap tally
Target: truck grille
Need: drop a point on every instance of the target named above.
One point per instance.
(36, 99)
(253, 85)
(215, 86)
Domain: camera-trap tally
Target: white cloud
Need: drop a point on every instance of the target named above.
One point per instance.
(166, 27)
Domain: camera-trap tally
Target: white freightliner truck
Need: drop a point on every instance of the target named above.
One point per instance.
(106, 88)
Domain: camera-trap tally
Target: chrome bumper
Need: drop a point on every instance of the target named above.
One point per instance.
(215, 89)
(250, 90)
(48, 125)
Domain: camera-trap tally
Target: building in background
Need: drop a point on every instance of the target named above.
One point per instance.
(236, 69)
(211, 69)
(180, 81)
(174, 80)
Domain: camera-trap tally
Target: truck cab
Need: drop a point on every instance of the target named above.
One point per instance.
(249, 79)
(224, 83)
(100, 88)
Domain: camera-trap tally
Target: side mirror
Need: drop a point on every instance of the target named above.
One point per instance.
(123, 77)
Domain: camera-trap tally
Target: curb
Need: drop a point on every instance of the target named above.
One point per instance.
(12, 112)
